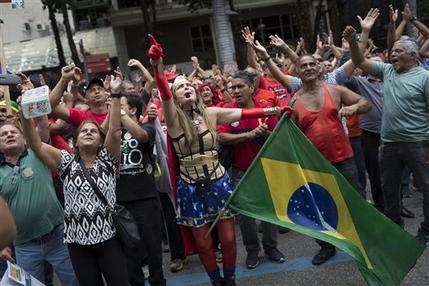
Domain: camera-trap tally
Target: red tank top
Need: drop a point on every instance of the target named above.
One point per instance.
(324, 129)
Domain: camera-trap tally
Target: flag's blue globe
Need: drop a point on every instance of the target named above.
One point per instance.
(303, 210)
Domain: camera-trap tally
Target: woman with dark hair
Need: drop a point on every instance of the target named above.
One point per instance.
(89, 232)
(203, 186)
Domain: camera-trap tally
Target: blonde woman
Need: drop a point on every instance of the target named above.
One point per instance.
(203, 186)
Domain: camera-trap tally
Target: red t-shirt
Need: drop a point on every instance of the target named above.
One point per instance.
(265, 97)
(283, 96)
(244, 152)
(78, 116)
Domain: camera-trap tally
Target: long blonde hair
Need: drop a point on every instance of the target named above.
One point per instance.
(185, 121)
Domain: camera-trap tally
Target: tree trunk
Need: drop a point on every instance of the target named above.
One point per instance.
(225, 42)
(57, 36)
(72, 45)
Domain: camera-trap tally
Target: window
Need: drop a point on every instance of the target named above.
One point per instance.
(201, 39)
(285, 26)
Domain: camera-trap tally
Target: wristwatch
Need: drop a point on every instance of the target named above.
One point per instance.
(413, 19)
(123, 113)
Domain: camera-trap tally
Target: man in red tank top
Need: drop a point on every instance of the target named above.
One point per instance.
(318, 111)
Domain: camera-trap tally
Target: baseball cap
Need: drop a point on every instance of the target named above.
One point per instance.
(96, 81)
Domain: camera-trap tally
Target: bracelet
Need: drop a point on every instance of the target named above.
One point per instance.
(266, 59)
(271, 111)
(116, 95)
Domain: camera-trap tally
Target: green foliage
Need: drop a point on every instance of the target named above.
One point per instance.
(195, 5)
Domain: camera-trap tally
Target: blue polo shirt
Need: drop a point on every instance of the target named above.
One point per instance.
(29, 191)
(405, 116)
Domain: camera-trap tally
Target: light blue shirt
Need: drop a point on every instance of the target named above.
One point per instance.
(405, 115)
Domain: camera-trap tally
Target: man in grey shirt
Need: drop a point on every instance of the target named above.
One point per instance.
(371, 88)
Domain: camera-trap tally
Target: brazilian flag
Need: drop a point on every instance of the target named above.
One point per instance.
(292, 185)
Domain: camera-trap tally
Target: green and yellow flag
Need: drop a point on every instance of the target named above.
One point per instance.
(292, 185)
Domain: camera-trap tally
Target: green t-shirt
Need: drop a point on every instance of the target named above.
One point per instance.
(29, 192)
(405, 116)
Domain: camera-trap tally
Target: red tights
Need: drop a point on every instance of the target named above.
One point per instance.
(226, 231)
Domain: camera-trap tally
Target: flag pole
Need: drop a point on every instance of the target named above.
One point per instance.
(4, 70)
(220, 214)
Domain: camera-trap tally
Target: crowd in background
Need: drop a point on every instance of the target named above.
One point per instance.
(170, 148)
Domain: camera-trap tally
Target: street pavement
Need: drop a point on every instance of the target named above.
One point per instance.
(298, 270)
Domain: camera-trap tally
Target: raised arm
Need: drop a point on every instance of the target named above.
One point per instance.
(335, 50)
(408, 15)
(68, 73)
(46, 153)
(150, 83)
(249, 38)
(7, 225)
(278, 42)
(393, 16)
(277, 73)
(156, 54)
(356, 54)
(113, 136)
(366, 26)
(424, 50)
(42, 125)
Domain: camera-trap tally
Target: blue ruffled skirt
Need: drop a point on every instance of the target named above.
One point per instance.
(195, 210)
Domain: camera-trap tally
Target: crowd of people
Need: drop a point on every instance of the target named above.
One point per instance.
(170, 147)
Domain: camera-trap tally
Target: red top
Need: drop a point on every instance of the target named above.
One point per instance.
(78, 116)
(245, 152)
(283, 96)
(265, 97)
(353, 125)
(324, 129)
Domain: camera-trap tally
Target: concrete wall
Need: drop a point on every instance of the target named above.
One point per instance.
(32, 14)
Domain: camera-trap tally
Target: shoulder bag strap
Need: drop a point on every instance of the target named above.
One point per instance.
(94, 185)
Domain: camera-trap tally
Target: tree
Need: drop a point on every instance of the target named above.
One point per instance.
(69, 33)
(50, 5)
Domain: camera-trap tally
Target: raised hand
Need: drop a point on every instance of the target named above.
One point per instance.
(152, 113)
(278, 42)
(25, 84)
(248, 36)
(260, 50)
(116, 83)
(106, 82)
(393, 14)
(349, 34)
(331, 39)
(371, 17)
(407, 14)
(134, 63)
(155, 51)
(300, 47)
